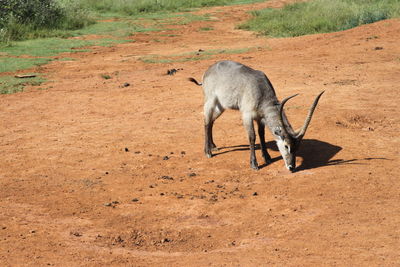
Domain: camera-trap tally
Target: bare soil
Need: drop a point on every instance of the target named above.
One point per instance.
(111, 172)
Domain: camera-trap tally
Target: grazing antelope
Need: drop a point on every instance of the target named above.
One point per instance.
(232, 85)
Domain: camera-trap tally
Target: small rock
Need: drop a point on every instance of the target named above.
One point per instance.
(171, 71)
(76, 234)
(108, 204)
(135, 200)
(183, 153)
(165, 177)
(378, 48)
(137, 152)
(192, 174)
(126, 84)
(166, 158)
(119, 239)
(126, 149)
(255, 194)
(369, 128)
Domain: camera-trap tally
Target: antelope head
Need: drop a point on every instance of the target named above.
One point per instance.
(288, 140)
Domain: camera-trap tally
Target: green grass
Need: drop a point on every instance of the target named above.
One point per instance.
(8, 64)
(320, 16)
(30, 53)
(206, 29)
(21, 20)
(120, 28)
(162, 60)
(10, 84)
(152, 6)
(192, 56)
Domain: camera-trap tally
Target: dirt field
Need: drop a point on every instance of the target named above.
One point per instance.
(94, 172)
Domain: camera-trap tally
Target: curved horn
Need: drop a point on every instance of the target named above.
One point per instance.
(302, 131)
(281, 112)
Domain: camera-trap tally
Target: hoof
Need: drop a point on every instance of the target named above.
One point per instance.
(208, 155)
(254, 166)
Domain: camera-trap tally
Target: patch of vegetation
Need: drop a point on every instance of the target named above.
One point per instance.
(48, 47)
(164, 60)
(119, 28)
(27, 19)
(320, 16)
(152, 6)
(192, 56)
(206, 29)
(187, 18)
(8, 64)
(11, 84)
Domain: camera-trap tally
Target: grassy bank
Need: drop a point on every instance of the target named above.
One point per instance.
(30, 19)
(320, 16)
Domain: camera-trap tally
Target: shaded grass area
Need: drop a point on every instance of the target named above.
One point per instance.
(320, 16)
(10, 84)
(22, 19)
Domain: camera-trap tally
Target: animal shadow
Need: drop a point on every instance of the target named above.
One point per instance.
(315, 153)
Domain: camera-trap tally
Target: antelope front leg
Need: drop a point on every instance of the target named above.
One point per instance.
(248, 124)
(261, 134)
(207, 140)
(209, 106)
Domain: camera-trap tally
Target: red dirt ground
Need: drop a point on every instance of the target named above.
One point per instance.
(84, 180)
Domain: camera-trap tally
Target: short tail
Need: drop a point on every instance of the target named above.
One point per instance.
(194, 81)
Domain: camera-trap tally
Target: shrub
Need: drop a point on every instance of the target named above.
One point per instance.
(24, 19)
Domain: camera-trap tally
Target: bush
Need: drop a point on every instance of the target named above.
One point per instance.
(24, 19)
